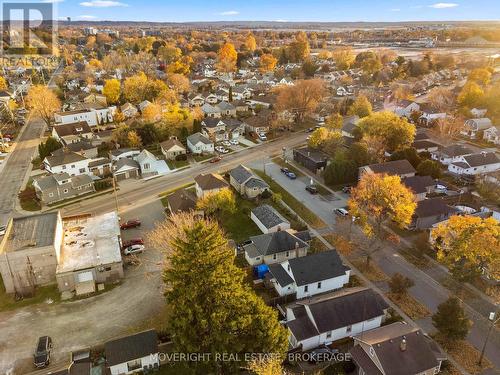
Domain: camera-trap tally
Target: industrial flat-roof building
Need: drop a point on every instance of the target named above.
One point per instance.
(76, 252)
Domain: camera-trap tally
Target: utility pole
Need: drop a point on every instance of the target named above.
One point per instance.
(115, 194)
(492, 317)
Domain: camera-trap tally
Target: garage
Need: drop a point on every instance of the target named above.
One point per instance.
(85, 283)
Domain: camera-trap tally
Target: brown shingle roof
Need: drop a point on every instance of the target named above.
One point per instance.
(210, 181)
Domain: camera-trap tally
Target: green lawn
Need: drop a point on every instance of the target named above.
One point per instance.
(239, 226)
(176, 164)
(28, 198)
(202, 157)
(42, 294)
(301, 210)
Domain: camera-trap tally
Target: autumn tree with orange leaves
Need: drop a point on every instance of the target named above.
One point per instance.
(267, 63)
(302, 98)
(377, 199)
(226, 58)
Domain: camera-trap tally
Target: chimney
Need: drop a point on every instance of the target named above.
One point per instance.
(402, 346)
(297, 255)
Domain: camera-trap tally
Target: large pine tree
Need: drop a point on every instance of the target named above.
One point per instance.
(212, 309)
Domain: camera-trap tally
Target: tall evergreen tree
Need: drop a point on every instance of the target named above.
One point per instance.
(212, 309)
(450, 320)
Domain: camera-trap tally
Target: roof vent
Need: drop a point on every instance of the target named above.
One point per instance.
(402, 346)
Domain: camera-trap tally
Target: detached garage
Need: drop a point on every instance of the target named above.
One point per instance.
(126, 168)
(268, 219)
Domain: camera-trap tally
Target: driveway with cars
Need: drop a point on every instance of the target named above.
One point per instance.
(321, 205)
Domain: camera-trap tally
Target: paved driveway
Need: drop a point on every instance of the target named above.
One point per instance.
(323, 206)
(73, 325)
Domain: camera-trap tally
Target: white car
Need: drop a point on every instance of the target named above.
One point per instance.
(226, 143)
(262, 137)
(2, 230)
(134, 249)
(341, 212)
(234, 142)
(219, 149)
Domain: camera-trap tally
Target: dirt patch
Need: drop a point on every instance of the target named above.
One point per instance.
(465, 354)
(409, 305)
(371, 270)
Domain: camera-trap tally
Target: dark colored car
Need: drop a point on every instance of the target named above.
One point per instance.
(134, 241)
(312, 189)
(347, 189)
(215, 159)
(284, 170)
(41, 358)
(129, 224)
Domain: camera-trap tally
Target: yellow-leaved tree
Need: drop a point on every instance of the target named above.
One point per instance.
(220, 201)
(469, 246)
(267, 63)
(112, 90)
(377, 199)
(44, 102)
(226, 58)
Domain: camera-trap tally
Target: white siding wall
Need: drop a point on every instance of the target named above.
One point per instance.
(123, 369)
(326, 286)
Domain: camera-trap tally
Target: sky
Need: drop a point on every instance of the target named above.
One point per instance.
(277, 10)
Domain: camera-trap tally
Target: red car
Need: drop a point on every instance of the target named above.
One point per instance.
(134, 241)
(130, 224)
(215, 159)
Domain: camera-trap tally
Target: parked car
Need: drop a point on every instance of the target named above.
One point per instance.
(130, 224)
(133, 241)
(215, 159)
(134, 249)
(312, 189)
(323, 354)
(291, 175)
(234, 142)
(41, 358)
(347, 189)
(262, 137)
(226, 143)
(284, 170)
(341, 212)
(3, 228)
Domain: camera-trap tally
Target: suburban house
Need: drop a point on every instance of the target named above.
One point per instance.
(401, 168)
(323, 319)
(348, 125)
(172, 149)
(211, 111)
(93, 116)
(474, 164)
(309, 275)
(66, 161)
(57, 187)
(222, 129)
(181, 200)
(72, 132)
(429, 116)
(429, 212)
(404, 108)
(274, 247)
(134, 353)
(425, 145)
(196, 100)
(261, 122)
(199, 144)
(451, 154)
(150, 165)
(126, 168)
(208, 184)
(492, 135)
(397, 348)
(246, 183)
(312, 159)
(420, 186)
(268, 219)
(475, 125)
(129, 110)
(123, 153)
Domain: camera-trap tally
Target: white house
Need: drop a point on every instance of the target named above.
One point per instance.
(309, 275)
(197, 143)
(475, 125)
(93, 116)
(450, 154)
(405, 108)
(150, 165)
(69, 162)
(323, 319)
(268, 219)
(492, 135)
(483, 162)
(122, 153)
(135, 353)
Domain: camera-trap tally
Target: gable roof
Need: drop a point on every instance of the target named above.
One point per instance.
(268, 216)
(240, 173)
(317, 267)
(456, 150)
(131, 347)
(418, 184)
(273, 243)
(181, 200)
(432, 207)
(393, 167)
(482, 158)
(196, 138)
(210, 181)
(62, 158)
(168, 144)
(75, 128)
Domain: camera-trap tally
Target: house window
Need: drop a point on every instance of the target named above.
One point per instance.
(146, 166)
(348, 329)
(306, 288)
(274, 256)
(63, 167)
(51, 195)
(134, 365)
(372, 352)
(287, 254)
(72, 166)
(319, 285)
(329, 335)
(82, 170)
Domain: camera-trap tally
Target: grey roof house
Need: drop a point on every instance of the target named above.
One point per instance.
(246, 183)
(58, 187)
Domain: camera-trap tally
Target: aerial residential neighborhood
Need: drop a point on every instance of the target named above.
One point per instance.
(208, 189)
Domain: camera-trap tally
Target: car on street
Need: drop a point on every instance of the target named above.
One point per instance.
(221, 150)
(41, 358)
(262, 137)
(129, 224)
(134, 249)
(347, 189)
(312, 189)
(341, 212)
(234, 142)
(323, 354)
(133, 241)
(215, 159)
(291, 175)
